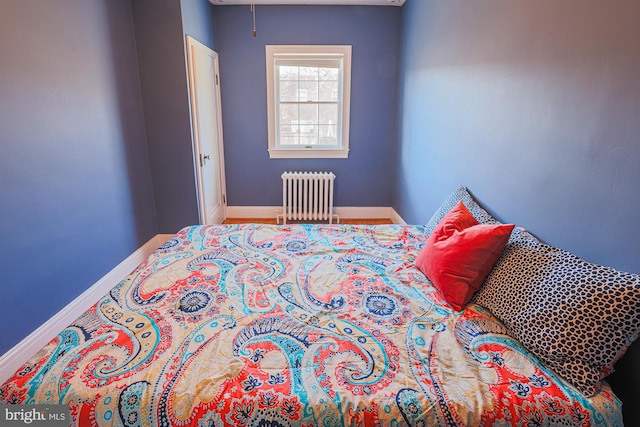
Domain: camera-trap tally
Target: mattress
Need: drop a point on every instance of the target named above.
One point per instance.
(296, 325)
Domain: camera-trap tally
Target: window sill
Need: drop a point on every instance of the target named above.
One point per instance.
(308, 154)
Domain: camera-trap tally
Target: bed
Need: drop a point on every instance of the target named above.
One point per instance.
(309, 325)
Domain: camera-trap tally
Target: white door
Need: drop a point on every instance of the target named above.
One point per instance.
(206, 124)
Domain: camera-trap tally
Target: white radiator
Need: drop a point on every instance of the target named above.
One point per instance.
(307, 196)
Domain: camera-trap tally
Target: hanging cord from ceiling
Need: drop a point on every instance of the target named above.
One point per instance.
(253, 14)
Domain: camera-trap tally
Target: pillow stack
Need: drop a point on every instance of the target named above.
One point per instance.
(578, 318)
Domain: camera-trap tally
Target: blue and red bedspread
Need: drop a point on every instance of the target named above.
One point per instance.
(297, 325)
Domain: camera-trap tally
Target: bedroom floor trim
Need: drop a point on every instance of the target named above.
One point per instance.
(344, 212)
(11, 361)
(353, 221)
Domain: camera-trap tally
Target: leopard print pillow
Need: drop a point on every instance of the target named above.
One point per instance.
(474, 208)
(578, 318)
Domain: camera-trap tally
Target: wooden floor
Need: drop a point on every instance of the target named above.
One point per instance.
(342, 221)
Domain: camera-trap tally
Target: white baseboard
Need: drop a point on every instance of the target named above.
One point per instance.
(13, 359)
(374, 212)
(396, 218)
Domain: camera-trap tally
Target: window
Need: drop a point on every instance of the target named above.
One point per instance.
(308, 92)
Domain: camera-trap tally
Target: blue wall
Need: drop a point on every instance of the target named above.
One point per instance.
(75, 193)
(535, 107)
(160, 45)
(160, 29)
(197, 21)
(365, 178)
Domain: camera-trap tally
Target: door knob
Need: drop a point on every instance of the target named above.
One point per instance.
(203, 159)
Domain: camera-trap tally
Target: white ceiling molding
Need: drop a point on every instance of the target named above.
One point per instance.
(307, 2)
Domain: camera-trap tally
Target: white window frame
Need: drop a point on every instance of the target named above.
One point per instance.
(309, 52)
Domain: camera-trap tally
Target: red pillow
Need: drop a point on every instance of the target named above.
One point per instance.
(460, 253)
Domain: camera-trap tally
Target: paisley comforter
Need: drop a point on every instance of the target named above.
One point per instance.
(297, 325)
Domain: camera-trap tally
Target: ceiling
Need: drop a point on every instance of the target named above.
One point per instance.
(325, 2)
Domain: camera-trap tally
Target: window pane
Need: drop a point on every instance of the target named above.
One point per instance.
(308, 124)
(289, 140)
(309, 113)
(328, 91)
(287, 136)
(308, 73)
(328, 114)
(308, 130)
(308, 91)
(288, 113)
(328, 134)
(288, 91)
(289, 130)
(328, 74)
(289, 124)
(288, 72)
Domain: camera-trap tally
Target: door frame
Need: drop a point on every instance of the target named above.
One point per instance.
(191, 45)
